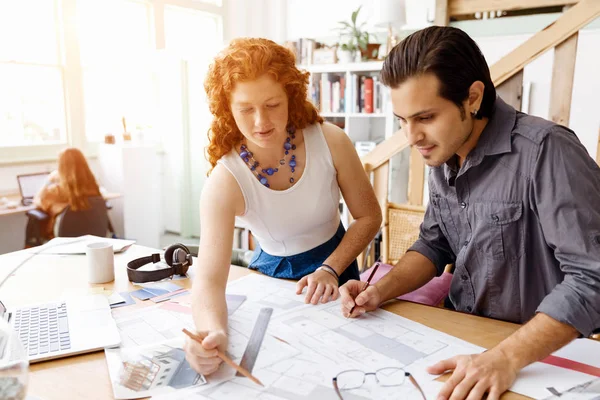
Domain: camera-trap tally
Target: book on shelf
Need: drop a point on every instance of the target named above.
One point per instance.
(362, 94)
(368, 93)
(328, 93)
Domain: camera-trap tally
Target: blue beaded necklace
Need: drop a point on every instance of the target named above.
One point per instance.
(288, 147)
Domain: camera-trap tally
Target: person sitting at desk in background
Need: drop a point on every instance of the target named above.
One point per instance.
(513, 203)
(280, 169)
(70, 185)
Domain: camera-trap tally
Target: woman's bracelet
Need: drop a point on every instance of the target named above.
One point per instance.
(330, 270)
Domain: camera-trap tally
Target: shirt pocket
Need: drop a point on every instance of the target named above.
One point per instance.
(498, 232)
(445, 220)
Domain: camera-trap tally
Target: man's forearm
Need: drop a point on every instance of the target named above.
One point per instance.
(209, 307)
(536, 340)
(410, 273)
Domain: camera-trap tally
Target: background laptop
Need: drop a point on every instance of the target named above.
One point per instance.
(30, 184)
(53, 330)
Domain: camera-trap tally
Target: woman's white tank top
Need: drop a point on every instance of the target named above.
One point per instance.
(297, 219)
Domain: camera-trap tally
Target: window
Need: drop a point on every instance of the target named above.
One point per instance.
(218, 3)
(73, 70)
(31, 105)
(118, 78)
(191, 33)
(32, 102)
(194, 36)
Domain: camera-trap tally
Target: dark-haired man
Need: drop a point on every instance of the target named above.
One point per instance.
(514, 204)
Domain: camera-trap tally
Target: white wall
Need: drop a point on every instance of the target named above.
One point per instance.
(303, 21)
(255, 18)
(585, 119)
(585, 111)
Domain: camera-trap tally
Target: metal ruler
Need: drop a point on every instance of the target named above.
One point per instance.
(256, 338)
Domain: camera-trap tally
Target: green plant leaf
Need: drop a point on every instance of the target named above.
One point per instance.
(355, 14)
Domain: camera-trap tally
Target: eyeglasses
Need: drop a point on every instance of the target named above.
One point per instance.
(386, 377)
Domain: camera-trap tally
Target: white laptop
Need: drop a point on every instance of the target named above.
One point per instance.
(64, 328)
(30, 184)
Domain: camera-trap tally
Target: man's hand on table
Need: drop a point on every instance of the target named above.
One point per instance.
(474, 375)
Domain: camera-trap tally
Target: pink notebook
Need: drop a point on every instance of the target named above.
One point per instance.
(432, 294)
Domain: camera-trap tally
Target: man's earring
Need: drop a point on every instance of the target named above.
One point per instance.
(474, 112)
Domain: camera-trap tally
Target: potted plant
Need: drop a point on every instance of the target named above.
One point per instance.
(346, 53)
(356, 38)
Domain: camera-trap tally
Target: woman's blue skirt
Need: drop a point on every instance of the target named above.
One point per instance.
(299, 265)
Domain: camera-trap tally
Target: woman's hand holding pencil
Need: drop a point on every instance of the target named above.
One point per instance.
(200, 339)
(203, 355)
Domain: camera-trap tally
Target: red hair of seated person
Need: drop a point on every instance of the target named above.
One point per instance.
(76, 180)
(246, 59)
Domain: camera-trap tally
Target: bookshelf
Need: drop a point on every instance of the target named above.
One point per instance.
(338, 90)
(352, 97)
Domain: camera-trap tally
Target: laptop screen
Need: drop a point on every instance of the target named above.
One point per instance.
(30, 184)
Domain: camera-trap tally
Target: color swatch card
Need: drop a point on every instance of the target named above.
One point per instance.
(159, 291)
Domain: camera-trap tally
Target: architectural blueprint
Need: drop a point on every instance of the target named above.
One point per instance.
(306, 346)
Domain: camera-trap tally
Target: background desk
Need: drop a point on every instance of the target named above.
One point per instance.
(23, 209)
(45, 277)
(13, 222)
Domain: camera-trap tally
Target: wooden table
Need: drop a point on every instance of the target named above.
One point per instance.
(45, 277)
(23, 209)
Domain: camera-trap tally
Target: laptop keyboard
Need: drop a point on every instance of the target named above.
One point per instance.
(43, 329)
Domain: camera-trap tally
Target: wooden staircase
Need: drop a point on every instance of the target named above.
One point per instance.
(507, 75)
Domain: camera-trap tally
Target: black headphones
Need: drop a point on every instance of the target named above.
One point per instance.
(177, 257)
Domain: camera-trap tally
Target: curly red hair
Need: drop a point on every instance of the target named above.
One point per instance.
(246, 59)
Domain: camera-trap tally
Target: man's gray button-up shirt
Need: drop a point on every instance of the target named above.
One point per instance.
(520, 219)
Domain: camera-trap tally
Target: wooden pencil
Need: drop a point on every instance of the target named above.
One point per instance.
(224, 357)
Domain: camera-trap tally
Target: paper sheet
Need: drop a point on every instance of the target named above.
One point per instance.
(533, 380)
(62, 245)
(151, 325)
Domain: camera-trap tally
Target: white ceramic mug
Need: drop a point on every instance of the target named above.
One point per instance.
(101, 262)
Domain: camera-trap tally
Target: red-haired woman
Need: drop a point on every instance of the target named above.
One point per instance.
(280, 169)
(70, 185)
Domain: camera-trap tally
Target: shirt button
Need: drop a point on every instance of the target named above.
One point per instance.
(466, 242)
(496, 218)
(463, 205)
(464, 277)
(469, 308)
